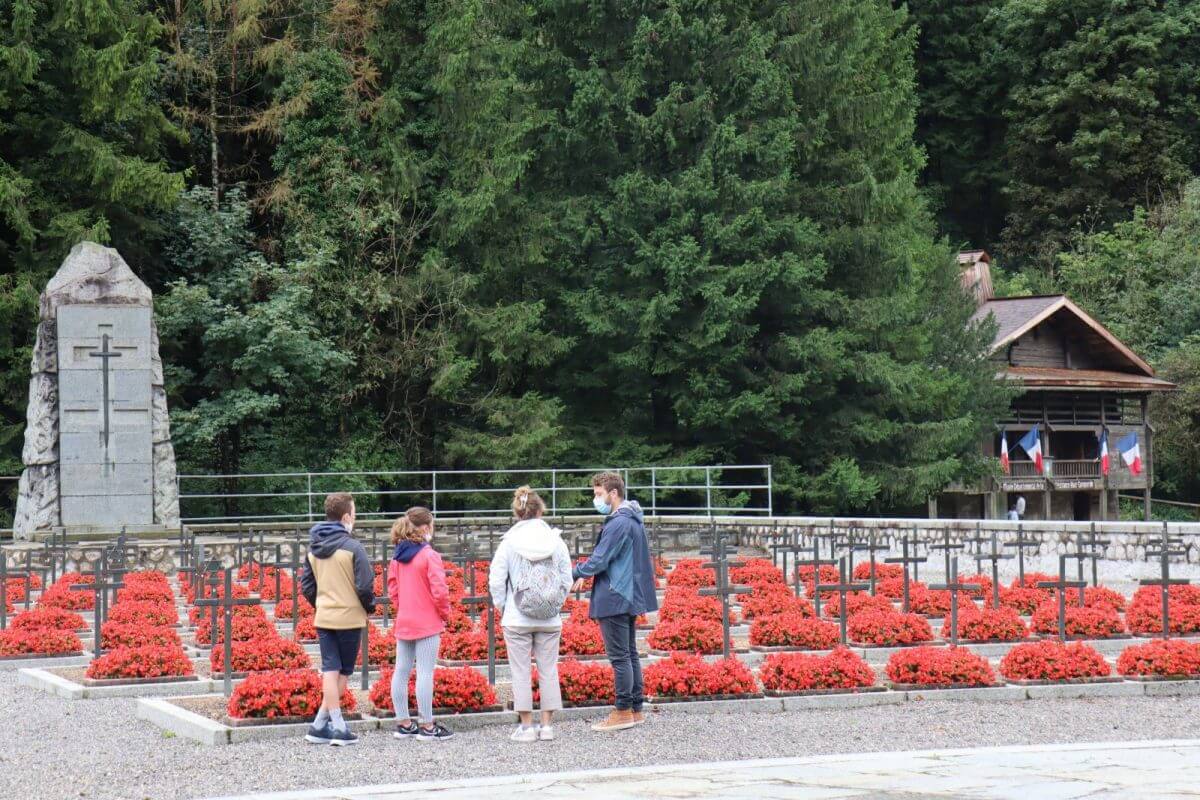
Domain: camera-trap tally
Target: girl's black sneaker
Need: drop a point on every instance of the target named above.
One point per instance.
(436, 733)
(406, 731)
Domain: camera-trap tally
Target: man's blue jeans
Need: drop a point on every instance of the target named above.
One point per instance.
(620, 643)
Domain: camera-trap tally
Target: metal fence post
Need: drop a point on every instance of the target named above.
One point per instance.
(708, 490)
(653, 492)
(308, 491)
(554, 493)
(770, 493)
(435, 492)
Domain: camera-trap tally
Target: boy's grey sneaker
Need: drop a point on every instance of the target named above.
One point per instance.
(317, 735)
(434, 734)
(343, 738)
(406, 731)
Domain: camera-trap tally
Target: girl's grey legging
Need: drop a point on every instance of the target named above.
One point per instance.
(424, 652)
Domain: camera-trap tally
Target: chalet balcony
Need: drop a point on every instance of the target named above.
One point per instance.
(1089, 468)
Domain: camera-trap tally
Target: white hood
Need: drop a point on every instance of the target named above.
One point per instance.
(533, 539)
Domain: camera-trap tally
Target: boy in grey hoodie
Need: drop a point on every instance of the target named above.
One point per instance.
(528, 638)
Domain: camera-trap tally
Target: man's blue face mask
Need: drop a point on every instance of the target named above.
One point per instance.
(601, 506)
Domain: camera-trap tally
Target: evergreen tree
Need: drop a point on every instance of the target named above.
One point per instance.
(716, 204)
(1103, 112)
(960, 120)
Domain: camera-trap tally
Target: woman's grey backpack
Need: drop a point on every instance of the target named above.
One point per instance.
(537, 589)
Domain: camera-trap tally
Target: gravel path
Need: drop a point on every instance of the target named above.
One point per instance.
(97, 749)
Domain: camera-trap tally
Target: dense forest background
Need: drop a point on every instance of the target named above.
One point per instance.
(391, 234)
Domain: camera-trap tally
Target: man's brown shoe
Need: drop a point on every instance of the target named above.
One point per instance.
(639, 717)
(616, 721)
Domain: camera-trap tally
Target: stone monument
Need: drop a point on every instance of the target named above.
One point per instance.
(98, 451)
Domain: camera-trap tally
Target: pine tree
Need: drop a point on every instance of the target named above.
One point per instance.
(1103, 112)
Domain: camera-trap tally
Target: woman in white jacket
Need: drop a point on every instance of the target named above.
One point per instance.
(530, 577)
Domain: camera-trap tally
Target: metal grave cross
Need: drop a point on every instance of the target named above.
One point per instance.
(795, 548)
(843, 587)
(1020, 543)
(1094, 549)
(723, 589)
(980, 542)
(946, 546)
(99, 589)
(1060, 586)
(871, 546)
(1163, 554)
(227, 604)
(995, 556)
(105, 355)
(484, 601)
(906, 559)
(954, 586)
(816, 562)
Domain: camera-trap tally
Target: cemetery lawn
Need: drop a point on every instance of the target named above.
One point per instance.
(97, 749)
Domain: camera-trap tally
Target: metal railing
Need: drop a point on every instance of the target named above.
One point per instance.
(708, 491)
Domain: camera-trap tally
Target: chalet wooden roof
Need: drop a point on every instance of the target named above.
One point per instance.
(1084, 379)
(1016, 316)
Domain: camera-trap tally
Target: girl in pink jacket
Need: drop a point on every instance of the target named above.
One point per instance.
(416, 582)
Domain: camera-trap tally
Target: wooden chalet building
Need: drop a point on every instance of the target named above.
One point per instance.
(1078, 379)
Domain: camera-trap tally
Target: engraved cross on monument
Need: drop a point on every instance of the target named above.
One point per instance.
(98, 451)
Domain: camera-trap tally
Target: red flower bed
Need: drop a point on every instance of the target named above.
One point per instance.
(306, 630)
(688, 572)
(47, 618)
(893, 588)
(769, 599)
(661, 564)
(1161, 657)
(1053, 661)
(1182, 593)
(381, 645)
(691, 635)
(1099, 622)
(144, 612)
(199, 614)
(862, 572)
(38, 641)
(462, 689)
(281, 693)
(260, 655)
(59, 596)
(686, 604)
(243, 629)
(14, 591)
(888, 628)
(938, 666)
(137, 634)
(829, 574)
(1032, 579)
(1102, 595)
(988, 624)
(935, 602)
(146, 592)
(581, 637)
(794, 630)
(1024, 599)
(149, 661)
(573, 607)
(471, 645)
(756, 571)
(856, 603)
(266, 588)
(982, 581)
(459, 619)
(798, 672)
(1146, 618)
(689, 675)
(583, 683)
(283, 609)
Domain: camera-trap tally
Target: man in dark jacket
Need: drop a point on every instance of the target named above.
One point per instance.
(340, 584)
(622, 589)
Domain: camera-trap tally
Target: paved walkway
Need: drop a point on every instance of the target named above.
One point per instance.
(1164, 769)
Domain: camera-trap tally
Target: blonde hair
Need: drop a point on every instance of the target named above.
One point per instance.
(408, 527)
(527, 504)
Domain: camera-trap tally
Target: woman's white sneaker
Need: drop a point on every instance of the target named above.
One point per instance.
(529, 734)
(546, 733)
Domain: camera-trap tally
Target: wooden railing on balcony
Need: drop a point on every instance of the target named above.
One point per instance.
(1075, 469)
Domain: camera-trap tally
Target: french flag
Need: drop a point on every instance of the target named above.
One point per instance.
(1031, 443)
(1103, 452)
(1004, 452)
(1131, 452)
